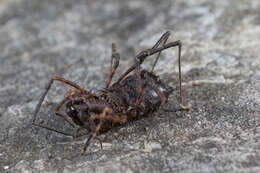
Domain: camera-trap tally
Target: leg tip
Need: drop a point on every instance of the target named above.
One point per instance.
(186, 107)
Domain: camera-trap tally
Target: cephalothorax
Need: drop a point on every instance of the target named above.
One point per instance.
(131, 96)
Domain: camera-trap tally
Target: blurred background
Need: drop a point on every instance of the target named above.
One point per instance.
(72, 39)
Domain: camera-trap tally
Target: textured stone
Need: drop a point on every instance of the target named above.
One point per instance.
(72, 39)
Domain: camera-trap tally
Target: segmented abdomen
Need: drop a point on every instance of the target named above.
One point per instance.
(122, 96)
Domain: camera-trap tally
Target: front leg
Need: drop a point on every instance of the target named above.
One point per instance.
(106, 115)
(115, 58)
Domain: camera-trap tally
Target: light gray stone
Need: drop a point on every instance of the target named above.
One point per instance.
(72, 39)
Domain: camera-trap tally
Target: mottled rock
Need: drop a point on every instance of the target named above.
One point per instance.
(72, 39)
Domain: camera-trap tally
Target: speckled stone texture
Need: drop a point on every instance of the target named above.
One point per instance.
(72, 39)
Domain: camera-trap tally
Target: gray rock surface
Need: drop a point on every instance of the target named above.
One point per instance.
(72, 39)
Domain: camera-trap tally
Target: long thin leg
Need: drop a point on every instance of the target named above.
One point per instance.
(51, 129)
(137, 64)
(126, 73)
(141, 57)
(87, 144)
(151, 128)
(42, 99)
(163, 98)
(146, 53)
(61, 115)
(162, 40)
(115, 58)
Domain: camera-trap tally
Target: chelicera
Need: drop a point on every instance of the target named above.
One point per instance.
(130, 97)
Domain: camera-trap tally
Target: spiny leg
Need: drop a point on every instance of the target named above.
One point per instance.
(106, 115)
(62, 80)
(89, 140)
(98, 127)
(115, 58)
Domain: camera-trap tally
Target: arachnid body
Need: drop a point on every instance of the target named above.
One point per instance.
(131, 96)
